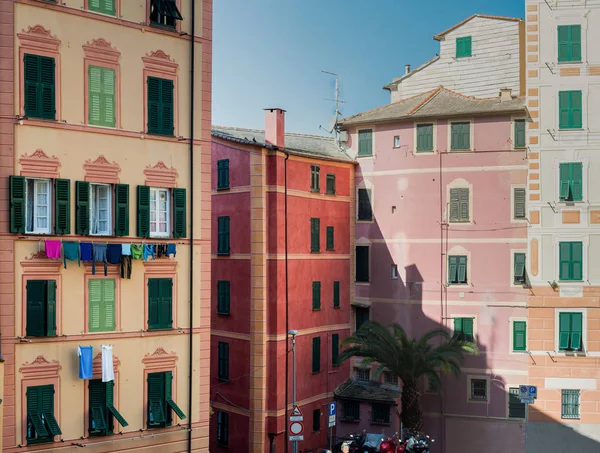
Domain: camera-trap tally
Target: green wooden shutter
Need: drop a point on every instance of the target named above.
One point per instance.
(519, 336)
(48, 409)
(454, 136)
(576, 271)
(51, 308)
(365, 142)
(468, 329)
(223, 360)
(577, 180)
(121, 210)
(462, 269)
(564, 328)
(179, 213)
(452, 269)
(336, 294)
(97, 403)
(31, 78)
(82, 209)
(154, 105)
(48, 98)
(34, 410)
(169, 395)
(153, 303)
(108, 303)
(17, 204)
(223, 245)
(454, 205)
(565, 181)
(575, 42)
(576, 330)
(111, 404)
(143, 211)
(108, 116)
(330, 242)
(520, 141)
(563, 43)
(463, 47)
(564, 109)
(458, 325)
(96, 323)
(156, 398)
(564, 257)
(167, 106)
(94, 95)
(166, 303)
(466, 136)
(316, 354)
(36, 308)
(519, 267)
(519, 204)
(223, 174)
(316, 295)
(463, 201)
(576, 110)
(335, 349)
(223, 297)
(315, 240)
(62, 209)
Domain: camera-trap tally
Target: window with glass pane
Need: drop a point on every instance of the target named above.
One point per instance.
(164, 12)
(380, 413)
(351, 410)
(463, 329)
(159, 212)
(362, 316)
(519, 270)
(316, 420)
(457, 270)
(570, 404)
(38, 206)
(100, 207)
(390, 378)
(479, 389)
(330, 189)
(315, 178)
(362, 374)
(223, 428)
(516, 409)
(41, 424)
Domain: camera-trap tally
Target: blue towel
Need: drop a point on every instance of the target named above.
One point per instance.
(171, 250)
(71, 252)
(126, 249)
(99, 256)
(86, 251)
(85, 361)
(113, 253)
(148, 252)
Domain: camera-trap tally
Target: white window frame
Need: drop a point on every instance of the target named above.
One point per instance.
(50, 207)
(94, 205)
(397, 141)
(157, 191)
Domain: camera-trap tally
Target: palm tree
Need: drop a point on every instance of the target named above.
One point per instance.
(409, 359)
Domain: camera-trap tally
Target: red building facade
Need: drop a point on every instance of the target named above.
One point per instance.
(254, 305)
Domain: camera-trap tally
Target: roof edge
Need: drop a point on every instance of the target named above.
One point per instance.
(440, 36)
(395, 82)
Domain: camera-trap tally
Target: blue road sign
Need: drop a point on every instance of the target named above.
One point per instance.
(532, 391)
(332, 409)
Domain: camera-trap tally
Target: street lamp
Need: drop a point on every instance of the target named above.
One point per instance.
(293, 334)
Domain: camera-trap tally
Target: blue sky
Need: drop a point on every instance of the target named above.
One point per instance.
(270, 53)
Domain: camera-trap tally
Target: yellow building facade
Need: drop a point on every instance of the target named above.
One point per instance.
(105, 142)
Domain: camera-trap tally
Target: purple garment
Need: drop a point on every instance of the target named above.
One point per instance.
(52, 249)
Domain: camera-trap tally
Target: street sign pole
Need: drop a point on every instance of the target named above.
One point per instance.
(295, 442)
(332, 418)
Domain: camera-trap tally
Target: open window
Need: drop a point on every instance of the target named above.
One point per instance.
(164, 13)
(160, 400)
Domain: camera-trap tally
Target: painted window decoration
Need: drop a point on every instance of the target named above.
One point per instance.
(571, 181)
(223, 246)
(39, 87)
(335, 349)
(570, 110)
(223, 297)
(336, 294)
(315, 235)
(479, 390)
(459, 205)
(362, 264)
(161, 212)
(223, 174)
(351, 411)
(365, 210)
(520, 336)
(330, 189)
(316, 295)
(463, 329)
(424, 137)
(160, 303)
(315, 178)
(316, 354)
(460, 136)
(160, 106)
(569, 43)
(316, 420)
(41, 308)
(164, 13)
(223, 428)
(102, 410)
(570, 404)
(457, 270)
(41, 423)
(520, 134)
(463, 47)
(330, 238)
(380, 414)
(519, 273)
(365, 142)
(516, 409)
(519, 204)
(101, 300)
(362, 316)
(570, 331)
(102, 6)
(101, 96)
(570, 261)
(160, 400)
(223, 364)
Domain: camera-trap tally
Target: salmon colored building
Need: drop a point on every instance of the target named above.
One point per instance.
(105, 141)
(283, 207)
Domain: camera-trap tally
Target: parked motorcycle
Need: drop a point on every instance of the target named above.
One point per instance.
(418, 443)
(392, 445)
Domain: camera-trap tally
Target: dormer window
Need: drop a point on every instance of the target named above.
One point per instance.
(164, 12)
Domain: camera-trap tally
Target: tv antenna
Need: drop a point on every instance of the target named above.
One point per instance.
(332, 124)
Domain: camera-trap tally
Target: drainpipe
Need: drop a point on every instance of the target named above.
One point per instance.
(191, 337)
(287, 326)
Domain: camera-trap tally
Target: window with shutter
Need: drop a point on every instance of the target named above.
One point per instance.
(100, 420)
(424, 137)
(316, 295)
(102, 6)
(102, 305)
(362, 263)
(223, 174)
(121, 210)
(101, 96)
(82, 208)
(41, 308)
(316, 354)
(38, 204)
(223, 366)
(330, 189)
(335, 349)
(519, 207)
(570, 110)
(336, 294)
(365, 142)
(160, 211)
(41, 424)
(519, 269)
(160, 106)
(463, 47)
(570, 331)
(457, 270)
(164, 13)
(143, 211)
(569, 43)
(571, 261)
(364, 205)
(223, 247)
(571, 181)
(516, 409)
(460, 136)
(62, 206)
(315, 235)
(330, 243)
(223, 297)
(158, 415)
(362, 316)
(459, 205)
(39, 87)
(110, 404)
(100, 204)
(463, 328)
(223, 428)
(160, 303)
(315, 178)
(520, 140)
(519, 336)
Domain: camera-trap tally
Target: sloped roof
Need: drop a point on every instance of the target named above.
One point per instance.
(298, 144)
(355, 389)
(441, 35)
(440, 102)
(396, 81)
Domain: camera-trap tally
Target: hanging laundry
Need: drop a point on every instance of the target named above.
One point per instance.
(52, 249)
(126, 249)
(148, 251)
(85, 354)
(126, 266)
(99, 256)
(86, 250)
(108, 372)
(161, 250)
(71, 252)
(136, 251)
(113, 253)
(171, 250)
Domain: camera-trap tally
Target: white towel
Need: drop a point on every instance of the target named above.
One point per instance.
(108, 372)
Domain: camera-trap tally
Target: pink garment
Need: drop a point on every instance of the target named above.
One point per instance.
(53, 249)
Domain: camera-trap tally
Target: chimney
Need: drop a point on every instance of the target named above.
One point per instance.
(275, 127)
(407, 69)
(505, 94)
